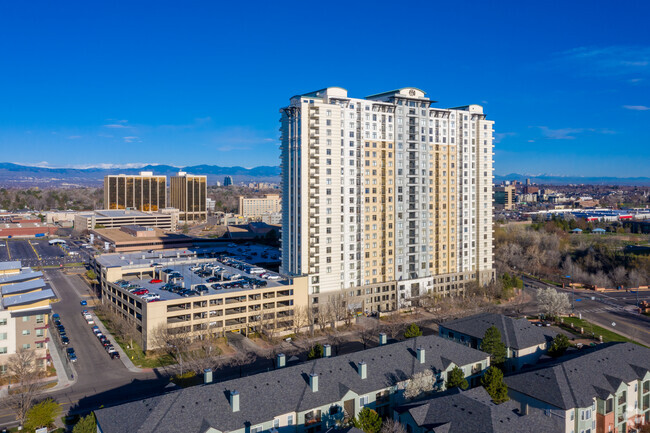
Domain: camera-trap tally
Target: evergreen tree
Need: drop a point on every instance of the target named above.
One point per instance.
(493, 345)
(86, 424)
(559, 346)
(456, 378)
(493, 383)
(316, 351)
(368, 420)
(412, 331)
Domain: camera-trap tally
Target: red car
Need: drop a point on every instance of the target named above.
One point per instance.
(141, 292)
(154, 281)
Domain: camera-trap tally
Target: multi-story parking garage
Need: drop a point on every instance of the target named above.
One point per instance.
(172, 290)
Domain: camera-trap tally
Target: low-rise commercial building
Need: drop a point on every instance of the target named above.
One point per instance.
(310, 397)
(525, 343)
(604, 390)
(27, 229)
(187, 302)
(138, 238)
(108, 219)
(24, 312)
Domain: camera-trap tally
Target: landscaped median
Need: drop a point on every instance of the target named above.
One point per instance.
(591, 330)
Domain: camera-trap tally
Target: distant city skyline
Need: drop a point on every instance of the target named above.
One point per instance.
(568, 84)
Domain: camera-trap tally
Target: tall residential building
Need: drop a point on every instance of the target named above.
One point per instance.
(24, 311)
(227, 181)
(385, 195)
(143, 191)
(257, 206)
(505, 195)
(188, 194)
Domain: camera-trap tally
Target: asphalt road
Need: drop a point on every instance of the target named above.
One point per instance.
(606, 309)
(100, 380)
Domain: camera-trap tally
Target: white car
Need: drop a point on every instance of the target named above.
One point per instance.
(256, 271)
(273, 277)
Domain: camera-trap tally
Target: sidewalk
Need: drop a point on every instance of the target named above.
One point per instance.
(63, 380)
(123, 357)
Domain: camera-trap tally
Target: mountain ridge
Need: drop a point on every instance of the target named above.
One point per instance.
(18, 175)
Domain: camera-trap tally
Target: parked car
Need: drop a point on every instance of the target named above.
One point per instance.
(55, 316)
(65, 340)
(83, 302)
(71, 355)
(155, 281)
(114, 354)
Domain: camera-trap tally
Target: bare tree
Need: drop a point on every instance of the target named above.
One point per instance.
(21, 367)
(300, 319)
(240, 359)
(553, 303)
(176, 342)
(368, 333)
(419, 384)
(321, 316)
(391, 425)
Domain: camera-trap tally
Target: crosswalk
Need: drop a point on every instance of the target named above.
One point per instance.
(609, 308)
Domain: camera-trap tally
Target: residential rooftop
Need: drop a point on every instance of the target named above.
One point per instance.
(576, 381)
(515, 333)
(266, 395)
(474, 411)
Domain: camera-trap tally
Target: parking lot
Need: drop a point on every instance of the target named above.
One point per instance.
(32, 252)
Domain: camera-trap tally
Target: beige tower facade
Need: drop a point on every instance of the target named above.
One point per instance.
(188, 194)
(385, 198)
(144, 192)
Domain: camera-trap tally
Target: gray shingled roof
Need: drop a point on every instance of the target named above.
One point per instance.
(266, 395)
(515, 333)
(575, 382)
(24, 286)
(473, 411)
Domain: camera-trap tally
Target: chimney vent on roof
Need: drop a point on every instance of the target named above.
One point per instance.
(207, 376)
(327, 351)
(234, 400)
(313, 382)
(382, 339)
(280, 360)
(362, 368)
(420, 353)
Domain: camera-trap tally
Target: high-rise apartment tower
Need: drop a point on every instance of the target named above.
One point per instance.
(188, 194)
(385, 198)
(144, 192)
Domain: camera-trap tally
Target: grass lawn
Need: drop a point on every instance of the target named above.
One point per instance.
(597, 330)
(135, 352)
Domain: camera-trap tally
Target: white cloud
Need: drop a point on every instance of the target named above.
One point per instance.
(132, 139)
(74, 137)
(116, 125)
(570, 133)
(498, 136)
(636, 107)
(615, 60)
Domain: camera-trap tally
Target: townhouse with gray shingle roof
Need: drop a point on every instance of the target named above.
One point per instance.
(606, 389)
(525, 342)
(473, 411)
(309, 397)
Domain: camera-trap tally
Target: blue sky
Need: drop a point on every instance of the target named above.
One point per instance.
(184, 83)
